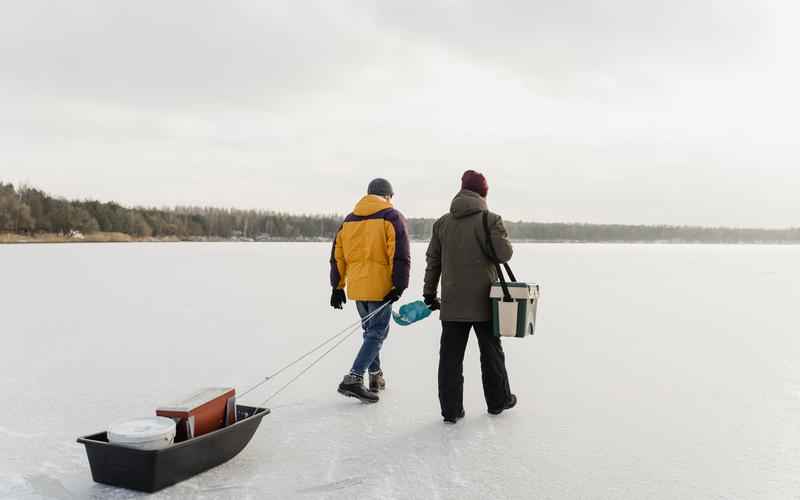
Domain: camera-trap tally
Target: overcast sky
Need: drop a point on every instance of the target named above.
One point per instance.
(628, 111)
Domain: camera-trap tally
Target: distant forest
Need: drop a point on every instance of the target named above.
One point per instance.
(29, 211)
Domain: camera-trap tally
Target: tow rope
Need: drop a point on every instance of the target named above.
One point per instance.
(342, 335)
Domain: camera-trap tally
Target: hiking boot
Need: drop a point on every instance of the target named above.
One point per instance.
(512, 402)
(376, 382)
(353, 386)
(452, 420)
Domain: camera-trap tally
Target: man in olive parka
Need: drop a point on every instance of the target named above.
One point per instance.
(458, 254)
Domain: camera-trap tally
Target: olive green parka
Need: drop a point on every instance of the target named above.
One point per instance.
(458, 255)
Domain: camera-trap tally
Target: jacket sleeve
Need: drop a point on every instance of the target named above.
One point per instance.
(338, 263)
(398, 250)
(433, 258)
(502, 245)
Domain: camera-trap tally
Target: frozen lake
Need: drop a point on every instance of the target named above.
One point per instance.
(656, 372)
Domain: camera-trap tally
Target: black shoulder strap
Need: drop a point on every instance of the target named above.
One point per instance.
(496, 261)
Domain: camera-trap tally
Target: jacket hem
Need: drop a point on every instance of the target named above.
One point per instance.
(464, 319)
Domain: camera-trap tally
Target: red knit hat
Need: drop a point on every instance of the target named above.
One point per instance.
(475, 181)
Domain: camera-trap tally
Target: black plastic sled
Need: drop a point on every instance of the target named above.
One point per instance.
(152, 470)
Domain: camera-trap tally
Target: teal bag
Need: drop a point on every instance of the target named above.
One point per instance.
(411, 313)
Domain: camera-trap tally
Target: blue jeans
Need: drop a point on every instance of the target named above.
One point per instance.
(376, 329)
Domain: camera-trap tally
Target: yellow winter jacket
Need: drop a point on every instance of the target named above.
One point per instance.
(371, 253)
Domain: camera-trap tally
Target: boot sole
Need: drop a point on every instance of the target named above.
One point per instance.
(351, 394)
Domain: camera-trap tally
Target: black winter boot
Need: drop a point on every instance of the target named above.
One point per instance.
(377, 382)
(452, 420)
(512, 402)
(353, 386)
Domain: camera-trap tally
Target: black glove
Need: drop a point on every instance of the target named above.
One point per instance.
(393, 295)
(338, 298)
(433, 302)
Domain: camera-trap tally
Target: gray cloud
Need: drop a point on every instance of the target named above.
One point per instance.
(201, 53)
(617, 111)
(190, 53)
(543, 37)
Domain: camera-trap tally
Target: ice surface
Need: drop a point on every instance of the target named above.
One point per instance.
(655, 372)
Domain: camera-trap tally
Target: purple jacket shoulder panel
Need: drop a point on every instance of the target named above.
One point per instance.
(401, 268)
(335, 276)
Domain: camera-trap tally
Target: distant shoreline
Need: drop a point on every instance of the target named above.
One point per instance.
(28, 215)
(16, 239)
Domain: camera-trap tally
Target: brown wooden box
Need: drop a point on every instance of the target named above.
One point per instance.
(206, 410)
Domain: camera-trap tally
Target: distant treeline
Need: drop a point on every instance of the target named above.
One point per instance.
(587, 233)
(29, 211)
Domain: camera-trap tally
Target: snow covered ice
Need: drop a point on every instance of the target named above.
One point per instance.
(656, 372)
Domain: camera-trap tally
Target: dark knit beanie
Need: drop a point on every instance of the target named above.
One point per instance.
(475, 182)
(380, 187)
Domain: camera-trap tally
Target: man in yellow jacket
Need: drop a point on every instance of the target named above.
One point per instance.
(371, 258)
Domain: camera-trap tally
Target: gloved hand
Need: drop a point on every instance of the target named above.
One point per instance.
(433, 302)
(338, 298)
(393, 295)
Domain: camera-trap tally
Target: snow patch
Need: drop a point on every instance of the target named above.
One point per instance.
(19, 435)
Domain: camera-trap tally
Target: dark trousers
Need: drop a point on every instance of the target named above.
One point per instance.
(496, 389)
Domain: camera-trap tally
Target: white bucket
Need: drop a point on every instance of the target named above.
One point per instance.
(148, 433)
